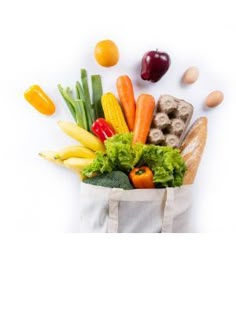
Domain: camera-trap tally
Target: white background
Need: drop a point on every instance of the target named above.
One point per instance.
(47, 272)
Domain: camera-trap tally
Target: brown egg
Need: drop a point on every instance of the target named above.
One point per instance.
(214, 99)
(190, 75)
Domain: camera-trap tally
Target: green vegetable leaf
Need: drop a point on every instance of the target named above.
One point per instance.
(80, 106)
(81, 113)
(101, 164)
(122, 152)
(120, 155)
(97, 95)
(166, 163)
(79, 91)
(67, 100)
(87, 100)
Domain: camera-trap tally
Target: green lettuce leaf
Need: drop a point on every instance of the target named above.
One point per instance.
(122, 153)
(101, 164)
(166, 163)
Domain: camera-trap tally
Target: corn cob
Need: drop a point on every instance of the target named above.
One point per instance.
(82, 135)
(113, 113)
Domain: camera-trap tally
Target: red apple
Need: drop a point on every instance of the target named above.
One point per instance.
(154, 65)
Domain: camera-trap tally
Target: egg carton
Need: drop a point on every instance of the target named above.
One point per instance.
(170, 121)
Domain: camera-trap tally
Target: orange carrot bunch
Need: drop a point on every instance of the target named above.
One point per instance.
(138, 116)
(143, 117)
(126, 94)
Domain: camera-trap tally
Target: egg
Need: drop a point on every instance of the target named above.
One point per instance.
(190, 75)
(214, 99)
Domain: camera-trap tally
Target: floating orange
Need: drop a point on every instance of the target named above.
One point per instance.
(106, 53)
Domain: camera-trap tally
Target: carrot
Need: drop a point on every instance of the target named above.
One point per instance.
(143, 117)
(126, 94)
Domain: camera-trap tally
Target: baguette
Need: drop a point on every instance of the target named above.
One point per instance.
(192, 148)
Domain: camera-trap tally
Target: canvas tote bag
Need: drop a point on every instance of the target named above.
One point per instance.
(114, 210)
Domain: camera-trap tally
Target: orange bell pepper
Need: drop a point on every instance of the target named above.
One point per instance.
(142, 177)
(39, 100)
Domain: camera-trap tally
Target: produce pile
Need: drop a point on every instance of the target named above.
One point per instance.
(114, 136)
(124, 142)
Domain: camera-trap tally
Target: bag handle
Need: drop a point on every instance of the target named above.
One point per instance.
(113, 215)
(168, 215)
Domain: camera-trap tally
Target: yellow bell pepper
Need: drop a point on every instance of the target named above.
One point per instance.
(39, 100)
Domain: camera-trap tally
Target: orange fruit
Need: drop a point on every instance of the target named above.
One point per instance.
(106, 53)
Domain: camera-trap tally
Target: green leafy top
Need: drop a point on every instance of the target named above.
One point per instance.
(83, 111)
(166, 163)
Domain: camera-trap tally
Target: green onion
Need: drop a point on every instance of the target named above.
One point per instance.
(97, 95)
(67, 101)
(82, 109)
(79, 91)
(89, 109)
(81, 113)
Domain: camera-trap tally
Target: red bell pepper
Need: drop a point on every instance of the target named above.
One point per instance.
(102, 129)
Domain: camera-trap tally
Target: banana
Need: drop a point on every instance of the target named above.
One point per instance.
(74, 151)
(83, 136)
(77, 164)
(50, 156)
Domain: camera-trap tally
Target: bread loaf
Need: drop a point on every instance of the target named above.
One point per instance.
(192, 148)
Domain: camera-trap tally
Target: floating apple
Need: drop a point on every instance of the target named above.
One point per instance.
(154, 65)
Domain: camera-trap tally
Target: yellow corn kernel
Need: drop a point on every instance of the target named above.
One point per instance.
(113, 113)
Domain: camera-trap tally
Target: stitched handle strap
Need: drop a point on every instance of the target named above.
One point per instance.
(113, 219)
(168, 216)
